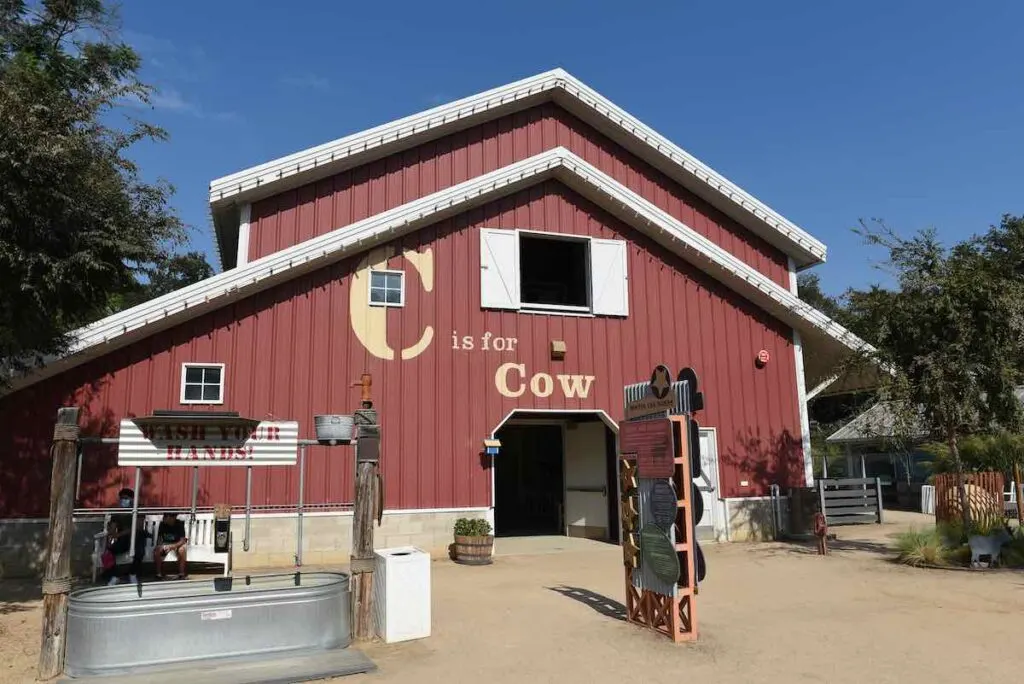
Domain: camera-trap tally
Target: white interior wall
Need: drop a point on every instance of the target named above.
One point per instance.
(585, 466)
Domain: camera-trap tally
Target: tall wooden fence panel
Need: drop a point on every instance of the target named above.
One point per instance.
(984, 497)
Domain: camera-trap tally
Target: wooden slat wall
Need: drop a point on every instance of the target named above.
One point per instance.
(986, 505)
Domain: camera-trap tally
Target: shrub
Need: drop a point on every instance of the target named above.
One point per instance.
(922, 547)
(1013, 553)
(953, 533)
(472, 527)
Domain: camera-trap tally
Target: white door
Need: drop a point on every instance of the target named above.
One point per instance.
(710, 523)
(586, 481)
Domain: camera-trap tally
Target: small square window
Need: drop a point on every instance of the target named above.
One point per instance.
(387, 288)
(202, 383)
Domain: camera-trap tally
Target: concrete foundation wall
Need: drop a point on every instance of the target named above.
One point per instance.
(326, 539)
(753, 519)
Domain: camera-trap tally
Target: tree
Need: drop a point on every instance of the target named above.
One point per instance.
(952, 333)
(809, 290)
(169, 274)
(78, 226)
(999, 452)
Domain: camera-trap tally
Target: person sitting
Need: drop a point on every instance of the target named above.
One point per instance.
(170, 536)
(119, 536)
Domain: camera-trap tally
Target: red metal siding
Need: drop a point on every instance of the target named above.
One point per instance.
(290, 354)
(292, 217)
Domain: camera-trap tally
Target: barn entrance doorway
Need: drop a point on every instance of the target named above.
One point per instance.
(556, 475)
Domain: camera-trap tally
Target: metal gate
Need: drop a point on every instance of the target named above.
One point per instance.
(851, 501)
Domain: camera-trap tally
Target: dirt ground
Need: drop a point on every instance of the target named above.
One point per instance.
(768, 613)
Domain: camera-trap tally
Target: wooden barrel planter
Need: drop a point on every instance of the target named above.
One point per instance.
(474, 550)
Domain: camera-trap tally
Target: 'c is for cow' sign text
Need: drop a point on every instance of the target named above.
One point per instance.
(513, 379)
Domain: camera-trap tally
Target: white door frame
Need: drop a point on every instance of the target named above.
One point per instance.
(512, 415)
(718, 521)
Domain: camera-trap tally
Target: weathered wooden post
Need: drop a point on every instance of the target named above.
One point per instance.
(57, 573)
(368, 505)
(1019, 494)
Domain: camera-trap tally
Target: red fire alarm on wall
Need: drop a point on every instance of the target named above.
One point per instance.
(763, 357)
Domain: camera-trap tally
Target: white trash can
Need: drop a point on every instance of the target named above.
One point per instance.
(401, 594)
(928, 499)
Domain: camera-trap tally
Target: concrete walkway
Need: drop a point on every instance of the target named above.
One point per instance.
(533, 546)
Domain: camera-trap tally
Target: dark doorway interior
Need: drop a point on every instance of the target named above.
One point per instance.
(529, 481)
(611, 456)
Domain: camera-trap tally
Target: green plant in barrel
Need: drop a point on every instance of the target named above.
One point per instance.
(474, 542)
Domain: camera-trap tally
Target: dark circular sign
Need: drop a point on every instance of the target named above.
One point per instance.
(698, 503)
(661, 382)
(699, 566)
(658, 554)
(664, 505)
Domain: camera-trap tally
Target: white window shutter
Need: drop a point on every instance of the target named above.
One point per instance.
(499, 269)
(609, 283)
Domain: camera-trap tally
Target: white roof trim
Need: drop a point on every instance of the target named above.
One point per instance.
(263, 175)
(171, 309)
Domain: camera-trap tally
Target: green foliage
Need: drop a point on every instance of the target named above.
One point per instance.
(951, 332)
(472, 527)
(922, 547)
(953, 531)
(943, 546)
(997, 452)
(170, 273)
(1013, 553)
(78, 225)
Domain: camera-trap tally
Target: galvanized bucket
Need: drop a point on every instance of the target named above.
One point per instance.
(334, 428)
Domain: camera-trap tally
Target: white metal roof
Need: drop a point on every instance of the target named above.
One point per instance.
(558, 85)
(878, 423)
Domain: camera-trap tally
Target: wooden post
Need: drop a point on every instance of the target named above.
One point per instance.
(878, 495)
(821, 499)
(57, 573)
(1019, 486)
(367, 506)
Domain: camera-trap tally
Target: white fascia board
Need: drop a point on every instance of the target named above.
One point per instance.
(678, 235)
(717, 182)
(265, 174)
(223, 189)
(173, 308)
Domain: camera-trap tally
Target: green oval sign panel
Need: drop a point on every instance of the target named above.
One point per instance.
(658, 555)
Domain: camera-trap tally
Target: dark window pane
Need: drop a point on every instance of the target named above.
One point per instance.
(394, 281)
(193, 392)
(553, 271)
(376, 295)
(211, 392)
(394, 297)
(193, 375)
(213, 376)
(377, 280)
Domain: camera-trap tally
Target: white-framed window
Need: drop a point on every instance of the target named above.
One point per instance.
(202, 383)
(387, 288)
(529, 270)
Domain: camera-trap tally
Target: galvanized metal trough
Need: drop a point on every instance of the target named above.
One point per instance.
(125, 628)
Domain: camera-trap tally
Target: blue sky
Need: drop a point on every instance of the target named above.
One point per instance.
(908, 111)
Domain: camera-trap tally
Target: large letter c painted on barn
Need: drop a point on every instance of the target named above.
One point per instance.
(369, 323)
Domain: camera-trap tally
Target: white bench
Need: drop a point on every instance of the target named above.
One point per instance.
(200, 534)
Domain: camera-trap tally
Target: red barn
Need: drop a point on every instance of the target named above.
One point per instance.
(502, 265)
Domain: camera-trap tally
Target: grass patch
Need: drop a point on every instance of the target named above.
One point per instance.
(922, 547)
(943, 546)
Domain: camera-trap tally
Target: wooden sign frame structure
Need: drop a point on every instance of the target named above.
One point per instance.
(674, 616)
